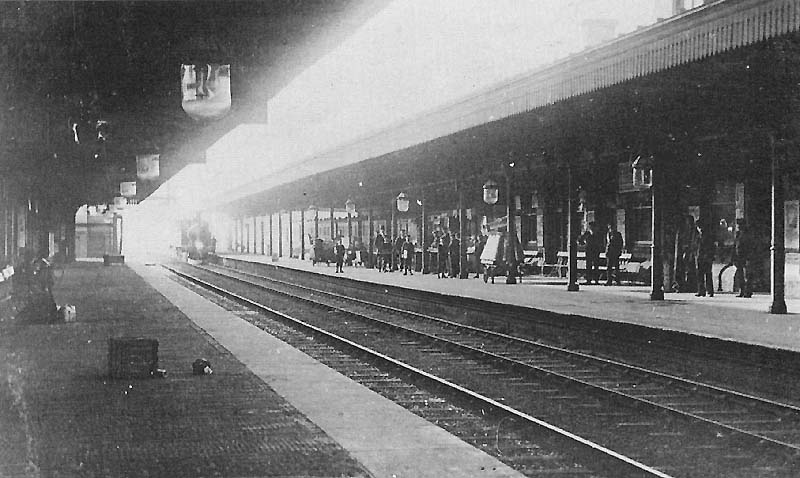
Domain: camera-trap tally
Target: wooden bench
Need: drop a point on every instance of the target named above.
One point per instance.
(624, 259)
(635, 271)
(559, 267)
(581, 264)
(532, 262)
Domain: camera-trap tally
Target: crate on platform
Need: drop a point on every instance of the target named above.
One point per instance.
(132, 357)
(109, 259)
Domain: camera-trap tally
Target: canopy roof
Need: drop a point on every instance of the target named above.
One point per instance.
(709, 30)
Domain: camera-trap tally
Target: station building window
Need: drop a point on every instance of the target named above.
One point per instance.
(528, 231)
(723, 214)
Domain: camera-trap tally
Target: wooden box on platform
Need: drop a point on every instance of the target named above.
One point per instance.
(132, 357)
(109, 259)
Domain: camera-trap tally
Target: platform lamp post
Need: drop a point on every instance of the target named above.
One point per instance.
(402, 206)
(350, 207)
(490, 196)
(644, 172)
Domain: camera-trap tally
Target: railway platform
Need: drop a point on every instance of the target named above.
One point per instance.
(723, 316)
(266, 410)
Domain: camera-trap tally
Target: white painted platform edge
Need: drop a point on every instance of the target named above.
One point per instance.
(387, 439)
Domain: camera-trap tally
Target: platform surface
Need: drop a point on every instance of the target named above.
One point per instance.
(723, 316)
(386, 438)
(267, 410)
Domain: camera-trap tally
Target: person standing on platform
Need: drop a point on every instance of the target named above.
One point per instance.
(380, 238)
(744, 248)
(42, 273)
(594, 244)
(455, 253)
(687, 236)
(339, 251)
(441, 255)
(407, 256)
(480, 243)
(704, 254)
(397, 251)
(614, 245)
(446, 238)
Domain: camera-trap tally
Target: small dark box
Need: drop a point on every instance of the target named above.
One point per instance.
(109, 259)
(132, 357)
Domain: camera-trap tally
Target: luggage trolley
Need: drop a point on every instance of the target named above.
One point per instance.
(492, 256)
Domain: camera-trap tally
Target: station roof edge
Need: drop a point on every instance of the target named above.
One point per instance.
(691, 36)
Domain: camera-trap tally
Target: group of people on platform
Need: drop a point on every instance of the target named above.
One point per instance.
(395, 255)
(694, 267)
(698, 252)
(400, 253)
(593, 241)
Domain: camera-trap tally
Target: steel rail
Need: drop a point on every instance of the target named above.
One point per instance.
(516, 363)
(611, 459)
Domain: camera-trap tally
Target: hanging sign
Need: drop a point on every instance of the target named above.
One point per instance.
(206, 90)
(127, 189)
(147, 166)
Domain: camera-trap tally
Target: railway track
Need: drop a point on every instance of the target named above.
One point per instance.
(676, 426)
(508, 439)
(750, 369)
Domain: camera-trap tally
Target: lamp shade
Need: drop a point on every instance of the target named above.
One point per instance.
(206, 90)
(490, 192)
(643, 171)
(402, 202)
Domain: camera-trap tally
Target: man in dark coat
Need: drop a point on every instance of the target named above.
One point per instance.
(378, 243)
(339, 251)
(686, 273)
(446, 238)
(743, 257)
(704, 256)
(441, 254)
(407, 256)
(614, 246)
(397, 251)
(480, 244)
(455, 253)
(594, 244)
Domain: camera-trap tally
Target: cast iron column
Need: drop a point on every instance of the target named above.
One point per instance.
(463, 273)
(422, 239)
(350, 228)
(392, 232)
(371, 238)
(280, 234)
(572, 242)
(333, 226)
(302, 235)
(511, 240)
(778, 305)
(316, 225)
(291, 234)
(657, 271)
(271, 249)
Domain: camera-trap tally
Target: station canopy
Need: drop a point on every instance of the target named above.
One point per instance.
(421, 70)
